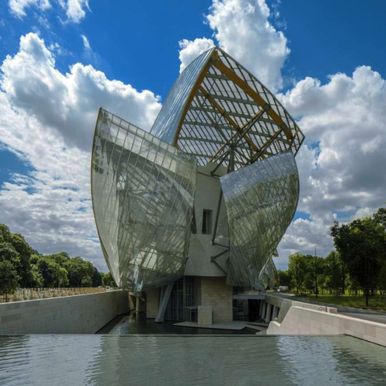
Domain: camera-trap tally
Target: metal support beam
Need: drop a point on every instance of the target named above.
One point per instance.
(188, 102)
(227, 117)
(165, 295)
(231, 75)
(265, 146)
(214, 261)
(217, 216)
(213, 258)
(231, 165)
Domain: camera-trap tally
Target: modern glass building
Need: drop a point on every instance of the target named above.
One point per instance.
(190, 214)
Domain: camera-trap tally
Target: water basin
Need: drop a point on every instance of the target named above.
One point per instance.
(189, 360)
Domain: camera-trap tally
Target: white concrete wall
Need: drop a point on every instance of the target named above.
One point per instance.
(284, 304)
(200, 248)
(305, 321)
(217, 294)
(67, 314)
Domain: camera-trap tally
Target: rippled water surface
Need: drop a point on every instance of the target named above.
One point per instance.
(189, 360)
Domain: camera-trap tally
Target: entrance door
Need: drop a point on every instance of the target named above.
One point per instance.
(253, 310)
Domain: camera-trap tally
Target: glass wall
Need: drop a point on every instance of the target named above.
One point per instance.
(260, 201)
(142, 190)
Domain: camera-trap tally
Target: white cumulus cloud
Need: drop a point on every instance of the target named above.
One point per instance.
(47, 118)
(18, 7)
(67, 103)
(342, 164)
(244, 30)
(75, 9)
(190, 49)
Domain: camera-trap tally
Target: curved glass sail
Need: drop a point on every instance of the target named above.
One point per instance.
(216, 104)
(260, 201)
(143, 184)
(142, 190)
(267, 277)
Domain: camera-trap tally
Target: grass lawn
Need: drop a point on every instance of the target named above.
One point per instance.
(376, 302)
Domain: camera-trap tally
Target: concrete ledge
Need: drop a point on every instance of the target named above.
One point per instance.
(63, 315)
(307, 321)
(236, 326)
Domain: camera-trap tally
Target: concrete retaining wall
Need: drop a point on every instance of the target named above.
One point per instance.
(306, 321)
(64, 315)
(285, 304)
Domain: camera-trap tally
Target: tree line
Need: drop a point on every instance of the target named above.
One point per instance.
(23, 267)
(358, 262)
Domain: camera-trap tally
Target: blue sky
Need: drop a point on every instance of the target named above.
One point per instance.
(60, 60)
(137, 41)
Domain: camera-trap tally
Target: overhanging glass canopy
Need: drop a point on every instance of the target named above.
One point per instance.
(143, 185)
(215, 105)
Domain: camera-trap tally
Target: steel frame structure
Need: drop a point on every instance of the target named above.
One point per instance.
(222, 105)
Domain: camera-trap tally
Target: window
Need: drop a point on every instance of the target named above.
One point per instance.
(206, 222)
(193, 227)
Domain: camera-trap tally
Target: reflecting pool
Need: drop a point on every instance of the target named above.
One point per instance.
(189, 360)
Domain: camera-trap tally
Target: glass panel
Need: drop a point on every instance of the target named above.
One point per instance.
(260, 201)
(166, 123)
(142, 197)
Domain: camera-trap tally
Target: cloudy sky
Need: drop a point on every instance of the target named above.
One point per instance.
(62, 59)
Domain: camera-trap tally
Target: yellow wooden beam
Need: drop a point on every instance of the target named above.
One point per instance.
(231, 75)
(255, 118)
(266, 145)
(188, 102)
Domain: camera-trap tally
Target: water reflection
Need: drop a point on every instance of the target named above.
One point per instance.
(195, 360)
(338, 360)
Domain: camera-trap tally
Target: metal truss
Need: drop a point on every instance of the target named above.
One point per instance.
(223, 107)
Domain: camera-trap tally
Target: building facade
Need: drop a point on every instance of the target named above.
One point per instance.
(191, 213)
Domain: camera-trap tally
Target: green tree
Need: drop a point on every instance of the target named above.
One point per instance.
(380, 217)
(9, 263)
(35, 270)
(108, 280)
(335, 273)
(52, 273)
(297, 269)
(5, 234)
(314, 269)
(37, 277)
(96, 278)
(284, 278)
(24, 251)
(80, 272)
(361, 245)
(9, 280)
(61, 258)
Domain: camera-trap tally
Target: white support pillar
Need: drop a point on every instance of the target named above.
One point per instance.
(274, 312)
(261, 303)
(165, 295)
(267, 313)
(263, 307)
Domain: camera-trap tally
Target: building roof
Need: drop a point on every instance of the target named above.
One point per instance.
(217, 105)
